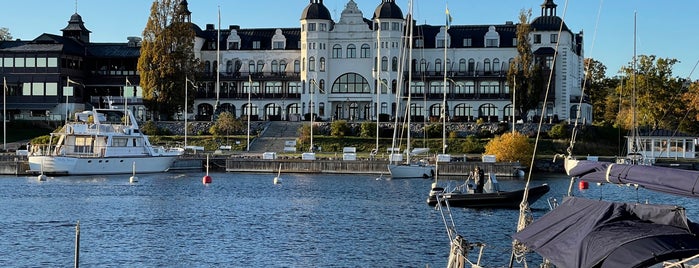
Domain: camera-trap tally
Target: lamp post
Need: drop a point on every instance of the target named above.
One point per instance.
(186, 103)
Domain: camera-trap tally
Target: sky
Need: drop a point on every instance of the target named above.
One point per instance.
(666, 29)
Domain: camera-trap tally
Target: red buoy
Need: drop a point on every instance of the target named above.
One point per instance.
(582, 185)
(206, 179)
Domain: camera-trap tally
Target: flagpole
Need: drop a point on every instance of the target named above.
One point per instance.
(249, 109)
(186, 84)
(4, 114)
(444, 101)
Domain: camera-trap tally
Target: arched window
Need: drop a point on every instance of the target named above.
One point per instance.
(297, 66)
(351, 83)
(366, 51)
(351, 51)
(496, 66)
(488, 111)
(275, 66)
(282, 66)
(384, 64)
(251, 66)
(486, 66)
(462, 65)
(394, 64)
(311, 64)
(238, 65)
(438, 65)
(260, 66)
(207, 66)
(337, 52)
(471, 65)
(322, 64)
(229, 66)
(423, 65)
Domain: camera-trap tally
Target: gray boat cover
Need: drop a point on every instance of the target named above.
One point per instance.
(661, 179)
(593, 233)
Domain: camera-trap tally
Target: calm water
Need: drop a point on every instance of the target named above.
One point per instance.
(244, 220)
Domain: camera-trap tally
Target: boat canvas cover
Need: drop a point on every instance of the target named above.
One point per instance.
(661, 179)
(594, 233)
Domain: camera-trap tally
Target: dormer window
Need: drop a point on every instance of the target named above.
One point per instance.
(419, 43)
(491, 42)
(468, 42)
(256, 45)
(233, 45)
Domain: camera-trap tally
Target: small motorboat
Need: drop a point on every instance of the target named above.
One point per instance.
(490, 196)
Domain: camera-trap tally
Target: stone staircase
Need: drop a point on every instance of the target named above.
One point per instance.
(273, 137)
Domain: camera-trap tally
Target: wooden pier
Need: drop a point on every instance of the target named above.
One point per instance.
(357, 166)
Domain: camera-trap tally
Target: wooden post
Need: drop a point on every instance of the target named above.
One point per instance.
(77, 245)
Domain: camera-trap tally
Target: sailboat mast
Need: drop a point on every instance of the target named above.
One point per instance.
(379, 82)
(634, 148)
(410, 74)
(218, 60)
(444, 90)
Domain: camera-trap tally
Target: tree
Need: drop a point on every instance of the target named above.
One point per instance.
(511, 147)
(167, 57)
(691, 100)
(599, 88)
(5, 34)
(226, 124)
(524, 77)
(656, 93)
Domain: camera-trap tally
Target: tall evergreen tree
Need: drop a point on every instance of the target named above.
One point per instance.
(167, 57)
(524, 76)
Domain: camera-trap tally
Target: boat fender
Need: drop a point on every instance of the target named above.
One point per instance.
(583, 185)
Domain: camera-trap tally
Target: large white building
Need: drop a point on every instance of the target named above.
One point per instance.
(335, 68)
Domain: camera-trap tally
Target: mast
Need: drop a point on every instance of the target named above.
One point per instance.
(410, 73)
(379, 84)
(634, 145)
(249, 108)
(444, 90)
(218, 63)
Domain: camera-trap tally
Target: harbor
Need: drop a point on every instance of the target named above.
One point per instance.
(244, 220)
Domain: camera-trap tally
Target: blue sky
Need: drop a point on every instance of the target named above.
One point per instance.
(667, 29)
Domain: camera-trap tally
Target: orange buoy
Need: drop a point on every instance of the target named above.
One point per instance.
(583, 185)
(206, 179)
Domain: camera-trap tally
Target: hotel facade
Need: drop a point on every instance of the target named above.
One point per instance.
(354, 69)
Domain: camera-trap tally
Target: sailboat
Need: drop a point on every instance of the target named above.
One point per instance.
(408, 169)
(633, 155)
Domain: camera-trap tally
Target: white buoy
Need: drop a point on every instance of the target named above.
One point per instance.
(278, 178)
(133, 178)
(41, 176)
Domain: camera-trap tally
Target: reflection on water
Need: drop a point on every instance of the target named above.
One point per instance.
(244, 220)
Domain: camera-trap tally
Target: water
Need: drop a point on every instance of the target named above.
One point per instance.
(244, 220)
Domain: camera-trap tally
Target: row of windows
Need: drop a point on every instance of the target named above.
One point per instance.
(29, 62)
(234, 66)
(553, 38)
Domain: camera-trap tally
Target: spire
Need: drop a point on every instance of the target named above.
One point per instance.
(183, 12)
(76, 29)
(548, 8)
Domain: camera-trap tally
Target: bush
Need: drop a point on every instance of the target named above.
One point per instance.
(339, 128)
(472, 145)
(149, 128)
(368, 129)
(559, 131)
(511, 147)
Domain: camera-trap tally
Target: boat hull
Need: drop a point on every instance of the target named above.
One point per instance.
(61, 165)
(410, 171)
(502, 199)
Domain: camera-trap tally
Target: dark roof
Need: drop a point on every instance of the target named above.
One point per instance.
(663, 133)
(75, 24)
(113, 50)
(457, 33)
(388, 9)
(316, 11)
(48, 43)
(248, 36)
(548, 23)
